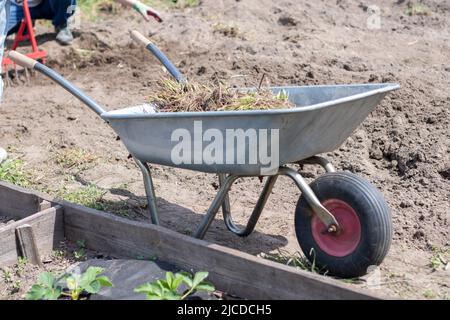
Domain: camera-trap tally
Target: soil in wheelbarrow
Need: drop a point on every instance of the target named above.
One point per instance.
(403, 147)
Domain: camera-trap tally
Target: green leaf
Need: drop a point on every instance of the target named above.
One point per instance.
(170, 295)
(144, 288)
(148, 288)
(198, 278)
(163, 285)
(46, 279)
(75, 294)
(72, 283)
(176, 282)
(104, 281)
(45, 289)
(93, 287)
(37, 292)
(186, 278)
(169, 279)
(90, 275)
(153, 297)
(205, 286)
(54, 294)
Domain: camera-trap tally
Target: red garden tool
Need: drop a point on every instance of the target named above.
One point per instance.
(25, 33)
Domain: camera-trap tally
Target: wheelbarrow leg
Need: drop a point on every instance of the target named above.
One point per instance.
(226, 207)
(215, 205)
(149, 191)
(253, 220)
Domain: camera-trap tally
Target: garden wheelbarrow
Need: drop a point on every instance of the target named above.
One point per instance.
(342, 222)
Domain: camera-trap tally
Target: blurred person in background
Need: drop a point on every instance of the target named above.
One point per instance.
(59, 12)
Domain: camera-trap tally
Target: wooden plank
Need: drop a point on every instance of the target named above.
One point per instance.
(230, 270)
(27, 244)
(16, 202)
(48, 231)
(44, 204)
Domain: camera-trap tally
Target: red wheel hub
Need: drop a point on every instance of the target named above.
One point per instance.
(338, 244)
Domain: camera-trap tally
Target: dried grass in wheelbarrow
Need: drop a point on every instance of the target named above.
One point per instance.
(172, 96)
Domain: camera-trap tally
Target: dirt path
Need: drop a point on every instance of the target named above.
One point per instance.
(403, 147)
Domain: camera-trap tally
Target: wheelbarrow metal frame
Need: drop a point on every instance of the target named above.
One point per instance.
(222, 198)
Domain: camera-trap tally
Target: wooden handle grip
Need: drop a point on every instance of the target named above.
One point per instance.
(138, 37)
(22, 60)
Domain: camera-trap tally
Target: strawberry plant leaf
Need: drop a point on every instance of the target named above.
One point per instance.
(169, 295)
(186, 278)
(148, 287)
(169, 279)
(176, 282)
(37, 292)
(90, 275)
(46, 279)
(198, 278)
(54, 294)
(71, 283)
(205, 286)
(104, 281)
(163, 285)
(167, 289)
(93, 287)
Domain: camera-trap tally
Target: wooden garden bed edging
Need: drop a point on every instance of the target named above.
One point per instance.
(47, 228)
(232, 271)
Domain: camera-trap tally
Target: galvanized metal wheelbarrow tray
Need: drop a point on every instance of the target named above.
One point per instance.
(324, 118)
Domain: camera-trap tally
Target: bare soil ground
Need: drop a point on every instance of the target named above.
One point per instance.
(403, 147)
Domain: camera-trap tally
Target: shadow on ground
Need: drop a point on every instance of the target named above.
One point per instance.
(135, 207)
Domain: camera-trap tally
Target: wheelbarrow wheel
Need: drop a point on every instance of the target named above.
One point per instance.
(364, 218)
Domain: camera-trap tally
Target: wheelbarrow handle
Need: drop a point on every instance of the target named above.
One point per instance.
(22, 60)
(27, 62)
(138, 37)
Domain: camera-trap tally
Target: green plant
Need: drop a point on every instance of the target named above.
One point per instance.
(75, 158)
(429, 294)
(90, 282)
(21, 265)
(168, 288)
(16, 286)
(89, 196)
(58, 254)
(80, 254)
(417, 9)
(7, 275)
(12, 171)
(47, 287)
(296, 260)
(440, 259)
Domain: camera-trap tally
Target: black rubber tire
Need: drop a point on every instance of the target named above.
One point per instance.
(375, 219)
